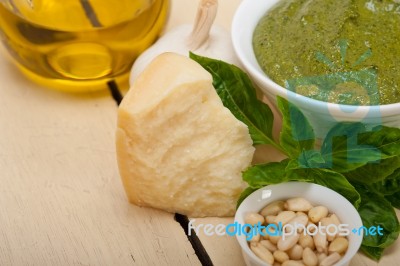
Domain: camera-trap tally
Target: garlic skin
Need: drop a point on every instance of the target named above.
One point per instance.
(217, 46)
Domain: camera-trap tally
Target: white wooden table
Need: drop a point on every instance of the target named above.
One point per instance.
(61, 198)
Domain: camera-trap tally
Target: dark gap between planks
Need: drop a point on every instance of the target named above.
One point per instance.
(183, 220)
(198, 247)
(115, 92)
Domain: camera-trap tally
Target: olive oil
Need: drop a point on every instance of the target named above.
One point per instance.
(79, 45)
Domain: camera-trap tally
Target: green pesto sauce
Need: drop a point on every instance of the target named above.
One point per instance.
(345, 51)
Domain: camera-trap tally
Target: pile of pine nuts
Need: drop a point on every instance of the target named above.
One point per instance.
(298, 248)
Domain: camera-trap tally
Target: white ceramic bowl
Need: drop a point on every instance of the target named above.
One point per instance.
(322, 115)
(317, 195)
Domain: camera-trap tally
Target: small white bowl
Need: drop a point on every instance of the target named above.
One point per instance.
(317, 195)
(322, 115)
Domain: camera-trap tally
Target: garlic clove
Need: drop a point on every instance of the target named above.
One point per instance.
(202, 38)
(218, 46)
(171, 41)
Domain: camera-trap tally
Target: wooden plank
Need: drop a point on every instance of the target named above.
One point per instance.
(61, 198)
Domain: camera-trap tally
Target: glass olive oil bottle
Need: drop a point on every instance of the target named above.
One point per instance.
(79, 45)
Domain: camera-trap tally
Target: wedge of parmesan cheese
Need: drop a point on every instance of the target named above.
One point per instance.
(178, 148)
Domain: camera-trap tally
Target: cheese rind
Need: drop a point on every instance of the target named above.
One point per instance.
(178, 148)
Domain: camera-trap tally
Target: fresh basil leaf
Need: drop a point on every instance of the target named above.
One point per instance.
(343, 152)
(274, 173)
(388, 186)
(332, 180)
(386, 139)
(261, 175)
(294, 164)
(372, 252)
(374, 172)
(238, 94)
(297, 135)
(245, 193)
(394, 199)
(375, 210)
(307, 159)
(311, 159)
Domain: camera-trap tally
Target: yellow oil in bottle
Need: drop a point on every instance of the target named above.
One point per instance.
(79, 45)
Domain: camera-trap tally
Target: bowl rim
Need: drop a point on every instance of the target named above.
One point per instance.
(300, 186)
(239, 33)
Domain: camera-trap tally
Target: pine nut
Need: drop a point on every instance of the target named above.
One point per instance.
(255, 238)
(320, 242)
(299, 222)
(261, 252)
(265, 234)
(306, 241)
(309, 257)
(331, 220)
(339, 245)
(311, 227)
(281, 256)
(331, 259)
(273, 208)
(335, 219)
(296, 252)
(273, 238)
(253, 218)
(284, 217)
(317, 213)
(268, 244)
(288, 242)
(321, 257)
(293, 263)
(298, 204)
(270, 219)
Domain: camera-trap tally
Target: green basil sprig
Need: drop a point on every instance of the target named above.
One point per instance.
(362, 165)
